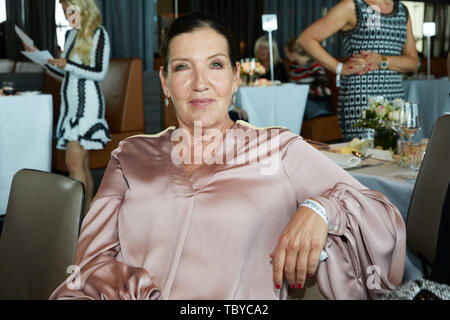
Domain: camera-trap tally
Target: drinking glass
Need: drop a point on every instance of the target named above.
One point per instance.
(407, 125)
(9, 88)
(418, 154)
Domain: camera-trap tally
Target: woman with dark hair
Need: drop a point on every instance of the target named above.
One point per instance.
(379, 39)
(223, 210)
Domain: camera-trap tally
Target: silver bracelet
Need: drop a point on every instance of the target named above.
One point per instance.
(317, 208)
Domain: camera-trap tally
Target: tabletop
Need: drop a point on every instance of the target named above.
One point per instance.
(25, 138)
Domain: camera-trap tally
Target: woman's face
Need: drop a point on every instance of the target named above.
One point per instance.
(262, 53)
(200, 79)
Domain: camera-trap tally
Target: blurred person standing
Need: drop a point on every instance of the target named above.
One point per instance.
(379, 39)
(83, 65)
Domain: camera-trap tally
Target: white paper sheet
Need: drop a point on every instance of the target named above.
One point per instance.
(25, 39)
(39, 57)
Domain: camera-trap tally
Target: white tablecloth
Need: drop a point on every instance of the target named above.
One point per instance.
(274, 106)
(25, 138)
(432, 97)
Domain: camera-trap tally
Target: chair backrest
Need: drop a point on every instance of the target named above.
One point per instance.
(28, 67)
(40, 234)
(425, 208)
(7, 65)
(123, 91)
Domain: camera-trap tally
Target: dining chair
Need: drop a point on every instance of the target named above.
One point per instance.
(426, 205)
(40, 234)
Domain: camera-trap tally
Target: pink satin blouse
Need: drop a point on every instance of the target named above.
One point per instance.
(153, 233)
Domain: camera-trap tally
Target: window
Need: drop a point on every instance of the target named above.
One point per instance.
(416, 12)
(62, 25)
(2, 11)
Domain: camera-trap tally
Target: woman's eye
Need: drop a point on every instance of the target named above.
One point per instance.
(180, 67)
(217, 65)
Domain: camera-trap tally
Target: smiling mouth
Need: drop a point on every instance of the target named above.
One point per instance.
(202, 103)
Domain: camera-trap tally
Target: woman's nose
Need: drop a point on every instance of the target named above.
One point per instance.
(200, 80)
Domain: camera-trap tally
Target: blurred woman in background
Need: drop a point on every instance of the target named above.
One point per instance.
(379, 39)
(262, 55)
(83, 65)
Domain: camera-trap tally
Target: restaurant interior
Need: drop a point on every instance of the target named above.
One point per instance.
(413, 171)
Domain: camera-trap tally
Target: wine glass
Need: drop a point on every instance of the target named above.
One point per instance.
(408, 124)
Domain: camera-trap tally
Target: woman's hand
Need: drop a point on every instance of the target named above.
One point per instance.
(372, 60)
(60, 63)
(29, 49)
(298, 250)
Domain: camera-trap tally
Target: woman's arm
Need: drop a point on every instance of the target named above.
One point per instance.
(340, 17)
(102, 54)
(364, 231)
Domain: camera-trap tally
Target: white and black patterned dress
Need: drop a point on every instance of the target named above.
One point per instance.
(386, 36)
(82, 113)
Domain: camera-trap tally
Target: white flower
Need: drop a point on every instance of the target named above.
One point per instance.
(380, 99)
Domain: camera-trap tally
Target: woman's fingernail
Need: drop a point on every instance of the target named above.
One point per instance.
(369, 69)
(299, 286)
(277, 286)
(351, 67)
(293, 286)
(369, 64)
(308, 275)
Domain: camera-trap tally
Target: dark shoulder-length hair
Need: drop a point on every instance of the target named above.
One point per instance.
(197, 20)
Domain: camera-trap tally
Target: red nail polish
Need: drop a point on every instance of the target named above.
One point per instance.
(277, 286)
(369, 64)
(369, 69)
(292, 286)
(299, 286)
(308, 275)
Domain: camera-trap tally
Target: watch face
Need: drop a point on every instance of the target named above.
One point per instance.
(383, 64)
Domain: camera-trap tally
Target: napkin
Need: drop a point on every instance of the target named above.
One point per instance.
(343, 160)
(378, 154)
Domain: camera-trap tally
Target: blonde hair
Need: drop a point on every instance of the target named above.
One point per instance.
(91, 19)
(263, 41)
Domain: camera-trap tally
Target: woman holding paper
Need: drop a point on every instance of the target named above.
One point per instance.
(83, 65)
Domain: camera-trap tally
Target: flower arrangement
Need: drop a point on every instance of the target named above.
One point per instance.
(380, 113)
(252, 68)
(379, 116)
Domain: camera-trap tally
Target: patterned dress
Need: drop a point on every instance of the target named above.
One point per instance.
(82, 113)
(381, 33)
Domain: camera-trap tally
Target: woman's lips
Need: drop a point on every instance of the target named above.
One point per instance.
(201, 103)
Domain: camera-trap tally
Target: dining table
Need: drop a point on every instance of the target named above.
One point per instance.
(397, 184)
(26, 122)
(432, 97)
(279, 105)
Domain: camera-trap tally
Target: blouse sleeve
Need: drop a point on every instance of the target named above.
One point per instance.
(102, 54)
(366, 241)
(100, 275)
